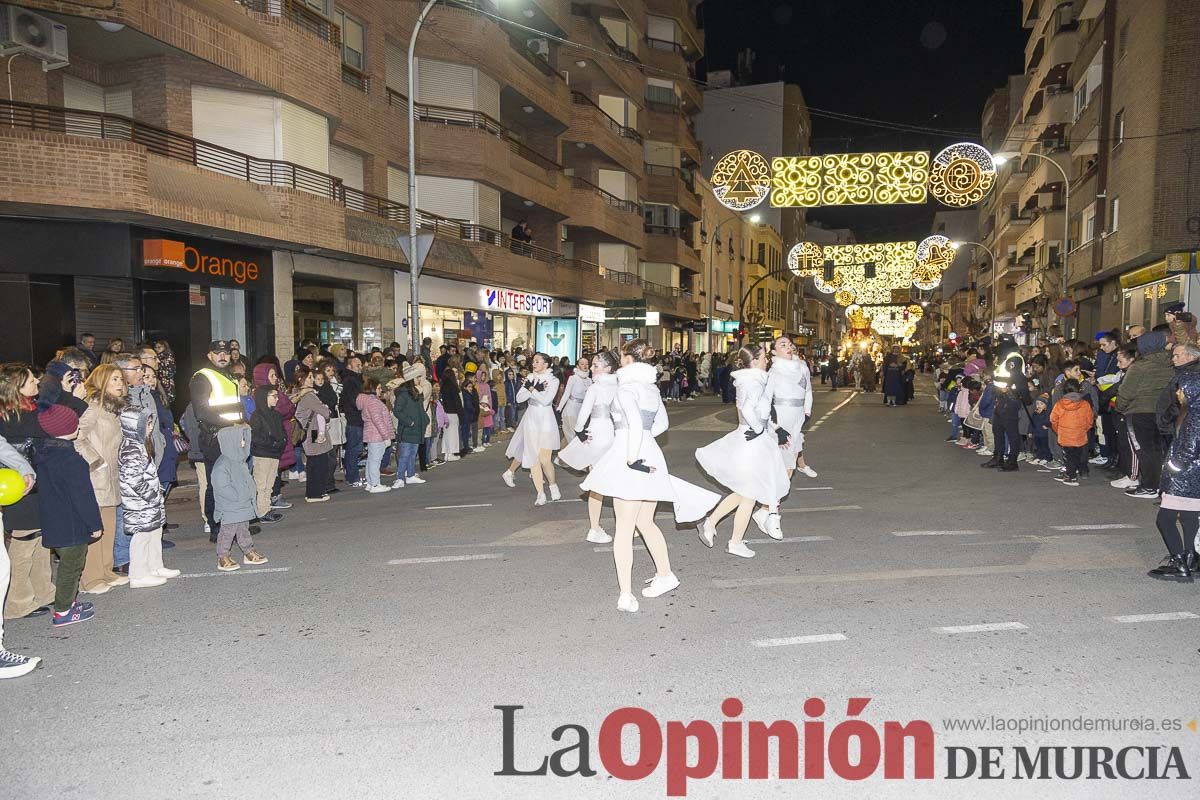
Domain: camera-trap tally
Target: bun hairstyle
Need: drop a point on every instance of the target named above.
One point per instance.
(747, 355)
(639, 350)
(610, 360)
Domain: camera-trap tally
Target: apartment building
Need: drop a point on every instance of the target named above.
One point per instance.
(195, 168)
(726, 240)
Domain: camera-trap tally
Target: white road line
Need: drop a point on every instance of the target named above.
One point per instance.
(819, 508)
(810, 488)
(440, 559)
(986, 626)
(791, 539)
(608, 548)
(810, 639)
(844, 402)
(1114, 526)
(936, 533)
(470, 505)
(569, 500)
(235, 572)
(1170, 615)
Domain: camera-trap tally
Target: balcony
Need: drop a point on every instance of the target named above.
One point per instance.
(1028, 288)
(1044, 177)
(590, 125)
(665, 122)
(681, 12)
(1047, 227)
(623, 72)
(300, 16)
(610, 216)
(667, 245)
(674, 186)
(673, 300)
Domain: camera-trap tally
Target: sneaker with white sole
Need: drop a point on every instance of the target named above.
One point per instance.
(555, 494)
(99, 588)
(78, 612)
(760, 518)
(739, 549)
(541, 499)
(507, 477)
(147, 582)
(660, 585)
(167, 572)
(1143, 494)
(379, 489)
(415, 479)
(774, 528)
(1097, 460)
(398, 483)
(598, 536)
(706, 532)
(320, 499)
(1124, 483)
(227, 564)
(13, 665)
(983, 451)
(627, 602)
(807, 470)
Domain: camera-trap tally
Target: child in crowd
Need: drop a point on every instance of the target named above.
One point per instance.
(468, 421)
(268, 440)
(501, 407)
(441, 421)
(143, 505)
(246, 392)
(233, 497)
(378, 431)
(1071, 419)
(511, 386)
(69, 514)
(486, 414)
(1041, 431)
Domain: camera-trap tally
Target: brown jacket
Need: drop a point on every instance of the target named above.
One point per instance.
(99, 442)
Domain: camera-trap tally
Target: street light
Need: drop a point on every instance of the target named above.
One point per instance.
(1000, 159)
(753, 219)
(992, 294)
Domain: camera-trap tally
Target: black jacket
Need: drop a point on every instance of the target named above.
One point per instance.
(451, 395)
(352, 384)
(209, 420)
(267, 436)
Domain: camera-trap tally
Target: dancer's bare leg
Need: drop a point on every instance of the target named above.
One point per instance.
(727, 505)
(514, 465)
(546, 459)
(627, 518)
(741, 518)
(536, 473)
(656, 543)
(595, 505)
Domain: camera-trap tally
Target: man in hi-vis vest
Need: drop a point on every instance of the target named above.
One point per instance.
(217, 405)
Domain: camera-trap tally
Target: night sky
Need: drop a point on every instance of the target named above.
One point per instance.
(930, 63)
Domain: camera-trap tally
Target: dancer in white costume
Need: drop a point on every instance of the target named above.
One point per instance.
(592, 434)
(634, 473)
(572, 398)
(749, 460)
(536, 439)
(789, 387)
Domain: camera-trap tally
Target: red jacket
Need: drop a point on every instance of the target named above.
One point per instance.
(1071, 419)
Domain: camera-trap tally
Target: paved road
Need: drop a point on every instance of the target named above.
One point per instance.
(365, 660)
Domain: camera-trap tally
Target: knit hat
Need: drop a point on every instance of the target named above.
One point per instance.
(58, 421)
(1151, 342)
(1174, 308)
(413, 371)
(58, 369)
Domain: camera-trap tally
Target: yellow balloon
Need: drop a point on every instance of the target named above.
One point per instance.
(12, 487)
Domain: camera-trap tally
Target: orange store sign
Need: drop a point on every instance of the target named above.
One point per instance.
(169, 254)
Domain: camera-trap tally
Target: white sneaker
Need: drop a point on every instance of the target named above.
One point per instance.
(100, 589)
(379, 489)
(661, 584)
(555, 494)
(1124, 483)
(453, 457)
(1098, 460)
(167, 572)
(707, 532)
(146, 583)
(398, 483)
(598, 536)
(774, 529)
(541, 499)
(807, 470)
(739, 549)
(477, 450)
(415, 479)
(627, 602)
(206, 528)
(507, 477)
(760, 518)
(1022, 456)
(983, 451)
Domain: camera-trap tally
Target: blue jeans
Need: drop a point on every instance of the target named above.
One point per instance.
(353, 449)
(121, 545)
(298, 453)
(464, 435)
(406, 460)
(487, 434)
(955, 425)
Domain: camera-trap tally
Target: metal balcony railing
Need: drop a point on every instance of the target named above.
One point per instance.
(685, 176)
(664, 45)
(608, 197)
(356, 78)
(299, 15)
(621, 130)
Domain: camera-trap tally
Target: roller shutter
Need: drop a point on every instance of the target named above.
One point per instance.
(487, 95)
(104, 306)
(448, 197)
(241, 121)
(397, 68)
(441, 83)
(488, 213)
(305, 136)
(397, 188)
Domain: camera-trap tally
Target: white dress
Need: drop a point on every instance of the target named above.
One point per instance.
(538, 429)
(789, 387)
(596, 417)
(638, 417)
(755, 468)
(572, 401)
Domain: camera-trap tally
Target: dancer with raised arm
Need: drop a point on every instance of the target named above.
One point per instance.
(749, 460)
(533, 445)
(572, 399)
(789, 388)
(592, 433)
(634, 473)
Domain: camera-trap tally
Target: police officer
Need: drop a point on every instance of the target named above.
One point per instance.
(1012, 395)
(217, 405)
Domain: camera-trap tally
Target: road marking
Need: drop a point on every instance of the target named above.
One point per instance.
(608, 548)
(819, 508)
(440, 559)
(986, 626)
(936, 533)
(844, 402)
(810, 488)
(469, 505)
(569, 500)
(810, 639)
(234, 572)
(1167, 617)
(1114, 526)
(791, 539)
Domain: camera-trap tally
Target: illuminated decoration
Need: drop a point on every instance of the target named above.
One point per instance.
(805, 259)
(962, 174)
(893, 269)
(830, 286)
(926, 278)
(855, 179)
(741, 180)
(936, 251)
(890, 319)
(844, 297)
(858, 318)
(915, 311)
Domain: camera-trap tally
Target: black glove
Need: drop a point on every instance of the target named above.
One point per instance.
(640, 466)
(540, 386)
(752, 434)
(582, 435)
(528, 384)
(783, 436)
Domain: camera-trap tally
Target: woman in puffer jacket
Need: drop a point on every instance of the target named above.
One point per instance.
(142, 504)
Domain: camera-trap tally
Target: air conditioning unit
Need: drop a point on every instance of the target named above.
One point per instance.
(539, 47)
(23, 31)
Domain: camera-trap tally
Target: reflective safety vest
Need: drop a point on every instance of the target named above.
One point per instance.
(223, 396)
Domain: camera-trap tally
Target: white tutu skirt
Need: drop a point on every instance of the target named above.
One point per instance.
(792, 423)
(538, 431)
(580, 455)
(612, 477)
(755, 469)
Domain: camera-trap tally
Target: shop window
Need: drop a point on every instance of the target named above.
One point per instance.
(353, 40)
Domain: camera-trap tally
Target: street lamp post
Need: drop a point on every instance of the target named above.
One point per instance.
(754, 220)
(414, 259)
(1001, 158)
(992, 293)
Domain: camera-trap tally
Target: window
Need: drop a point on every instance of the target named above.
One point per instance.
(1081, 98)
(1088, 224)
(762, 250)
(1114, 214)
(1123, 40)
(353, 40)
(1118, 131)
